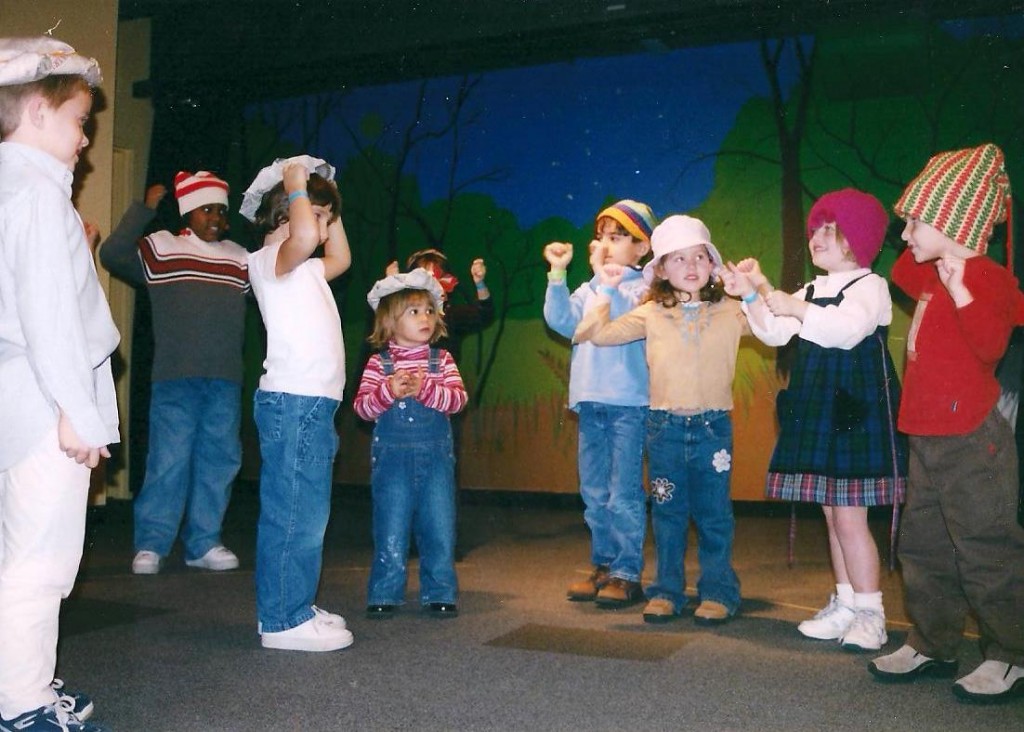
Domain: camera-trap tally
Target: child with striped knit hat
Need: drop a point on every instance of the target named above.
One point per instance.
(960, 545)
(608, 390)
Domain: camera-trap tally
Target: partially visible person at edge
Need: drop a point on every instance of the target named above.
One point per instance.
(960, 545)
(57, 406)
(608, 389)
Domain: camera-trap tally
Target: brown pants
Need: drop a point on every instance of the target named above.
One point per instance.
(960, 545)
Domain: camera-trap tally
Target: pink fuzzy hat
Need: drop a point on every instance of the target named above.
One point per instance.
(859, 216)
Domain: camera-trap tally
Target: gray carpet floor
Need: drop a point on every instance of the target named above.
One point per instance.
(179, 651)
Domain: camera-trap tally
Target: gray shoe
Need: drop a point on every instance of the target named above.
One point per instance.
(906, 664)
(991, 683)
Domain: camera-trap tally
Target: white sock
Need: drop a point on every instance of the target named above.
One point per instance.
(868, 601)
(845, 594)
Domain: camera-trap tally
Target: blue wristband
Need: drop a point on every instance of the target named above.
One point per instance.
(481, 285)
(606, 290)
(749, 298)
(297, 194)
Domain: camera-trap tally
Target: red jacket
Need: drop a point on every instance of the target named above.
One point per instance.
(949, 386)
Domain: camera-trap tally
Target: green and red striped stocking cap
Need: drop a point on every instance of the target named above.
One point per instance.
(963, 194)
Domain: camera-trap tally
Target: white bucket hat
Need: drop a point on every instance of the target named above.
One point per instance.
(680, 232)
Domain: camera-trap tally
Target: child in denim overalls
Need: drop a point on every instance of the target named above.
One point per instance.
(410, 388)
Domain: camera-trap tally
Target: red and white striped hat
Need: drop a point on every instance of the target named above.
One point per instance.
(198, 189)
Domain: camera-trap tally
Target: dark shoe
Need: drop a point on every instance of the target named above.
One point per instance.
(619, 593)
(906, 664)
(710, 612)
(586, 590)
(443, 609)
(381, 612)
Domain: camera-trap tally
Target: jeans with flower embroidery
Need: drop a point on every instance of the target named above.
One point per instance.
(689, 466)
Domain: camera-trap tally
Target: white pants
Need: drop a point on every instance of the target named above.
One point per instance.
(42, 529)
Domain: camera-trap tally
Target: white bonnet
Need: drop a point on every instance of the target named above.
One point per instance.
(417, 279)
(24, 60)
(271, 175)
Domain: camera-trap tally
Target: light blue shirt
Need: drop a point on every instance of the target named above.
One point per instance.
(614, 375)
(56, 332)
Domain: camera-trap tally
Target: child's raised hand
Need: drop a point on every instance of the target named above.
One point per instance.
(951, 272)
(478, 270)
(751, 268)
(154, 194)
(781, 303)
(295, 176)
(611, 274)
(558, 254)
(415, 381)
(736, 283)
(392, 269)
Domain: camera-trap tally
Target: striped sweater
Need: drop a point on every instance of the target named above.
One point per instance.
(442, 391)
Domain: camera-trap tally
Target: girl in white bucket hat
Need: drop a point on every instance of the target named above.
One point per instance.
(693, 333)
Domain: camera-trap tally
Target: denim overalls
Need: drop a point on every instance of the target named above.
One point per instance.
(413, 483)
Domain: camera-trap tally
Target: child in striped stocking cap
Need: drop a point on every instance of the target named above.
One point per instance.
(960, 545)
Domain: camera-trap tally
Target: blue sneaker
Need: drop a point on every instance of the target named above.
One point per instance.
(50, 718)
(81, 705)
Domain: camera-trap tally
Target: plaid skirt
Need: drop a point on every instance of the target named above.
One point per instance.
(838, 444)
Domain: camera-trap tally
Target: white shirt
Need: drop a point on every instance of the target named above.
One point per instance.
(866, 305)
(305, 350)
(56, 332)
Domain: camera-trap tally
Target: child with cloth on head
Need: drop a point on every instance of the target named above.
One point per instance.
(296, 205)
(57, 407)
(960, 545)
(409, 389)
(608, 390)
(838, 444)
(197, 284)
(693, 333)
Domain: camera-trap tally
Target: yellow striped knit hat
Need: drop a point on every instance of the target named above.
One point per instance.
(963, 194)
(633, 216)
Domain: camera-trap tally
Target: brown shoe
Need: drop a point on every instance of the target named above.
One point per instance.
(586, 590)
(619, 593)
(710, 612)
(660, 610)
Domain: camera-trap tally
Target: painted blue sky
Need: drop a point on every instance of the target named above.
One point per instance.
(568, 136)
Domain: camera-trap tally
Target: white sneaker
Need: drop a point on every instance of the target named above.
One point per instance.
(146, 562)
(866, 632)
(316, 634)
(217, 559)
(329, 618)
(992, 681)
(829, 623)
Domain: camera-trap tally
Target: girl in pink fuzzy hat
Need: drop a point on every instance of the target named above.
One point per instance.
(837, 445)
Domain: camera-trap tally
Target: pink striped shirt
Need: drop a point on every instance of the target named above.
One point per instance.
(442, 391)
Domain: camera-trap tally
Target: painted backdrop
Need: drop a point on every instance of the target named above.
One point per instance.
(744, 136)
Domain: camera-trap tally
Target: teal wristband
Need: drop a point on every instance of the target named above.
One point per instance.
(556, 275)
(297, 194)
(606, 290)
(481, 285)
(749, 298)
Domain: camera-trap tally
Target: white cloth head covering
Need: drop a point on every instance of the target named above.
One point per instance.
(24, 60)
(680, 232)
(417, 279)
(271, 175)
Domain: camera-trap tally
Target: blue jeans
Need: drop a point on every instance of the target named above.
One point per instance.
(298, 442)
(689, 465)
(611, 449)
(413, 481)
(194, 455)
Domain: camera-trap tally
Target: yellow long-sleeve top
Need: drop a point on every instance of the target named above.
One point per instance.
(691, 349)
